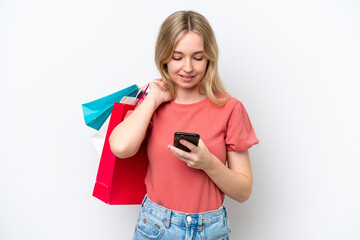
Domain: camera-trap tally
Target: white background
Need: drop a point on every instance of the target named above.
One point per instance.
(294, 65)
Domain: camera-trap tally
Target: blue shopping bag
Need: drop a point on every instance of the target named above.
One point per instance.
(96, 112)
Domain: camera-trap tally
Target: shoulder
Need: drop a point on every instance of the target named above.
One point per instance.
(231, 103)
(225, 110)
(234, 108)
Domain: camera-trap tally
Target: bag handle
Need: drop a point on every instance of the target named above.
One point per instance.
(146, 87)
(142, 95)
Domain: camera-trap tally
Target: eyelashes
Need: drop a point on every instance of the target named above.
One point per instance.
(197, 59)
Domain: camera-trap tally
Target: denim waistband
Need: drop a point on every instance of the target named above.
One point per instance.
(180, 218)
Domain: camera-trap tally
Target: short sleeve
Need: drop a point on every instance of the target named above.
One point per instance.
(240, 134)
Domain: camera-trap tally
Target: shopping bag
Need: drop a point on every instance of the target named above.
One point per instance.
(96, 112)
(121, 181)
(98, 139)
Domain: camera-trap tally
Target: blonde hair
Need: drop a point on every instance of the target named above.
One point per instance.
(172, 30)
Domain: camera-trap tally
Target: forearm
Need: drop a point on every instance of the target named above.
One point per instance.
(236, 185)
(127, 137)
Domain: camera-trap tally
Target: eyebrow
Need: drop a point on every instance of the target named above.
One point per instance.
(193, 53)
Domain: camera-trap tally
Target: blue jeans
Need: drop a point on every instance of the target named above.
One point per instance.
(157, 222)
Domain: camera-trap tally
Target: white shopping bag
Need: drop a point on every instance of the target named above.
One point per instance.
(98, 139)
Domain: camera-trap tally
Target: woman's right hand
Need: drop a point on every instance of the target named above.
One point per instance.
(126, 138)
(158, 92)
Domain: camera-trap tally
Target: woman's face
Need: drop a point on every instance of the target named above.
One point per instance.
(188, 63)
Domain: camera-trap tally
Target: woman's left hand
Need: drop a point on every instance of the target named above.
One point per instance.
(199, 157)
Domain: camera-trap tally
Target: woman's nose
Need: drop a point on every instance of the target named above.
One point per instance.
(188, 67)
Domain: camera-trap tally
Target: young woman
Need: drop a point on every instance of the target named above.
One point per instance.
(185, 190)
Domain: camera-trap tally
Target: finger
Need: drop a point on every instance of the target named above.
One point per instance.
(157, 86)
(159, 82)
(162, 85)
(182, 155)
(201, 143)
(179, 153)
(188, 144)
(190, 164)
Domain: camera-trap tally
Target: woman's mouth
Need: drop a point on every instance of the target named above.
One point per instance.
(186, 77)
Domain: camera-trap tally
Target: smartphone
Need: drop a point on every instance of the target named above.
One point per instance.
(190, 137)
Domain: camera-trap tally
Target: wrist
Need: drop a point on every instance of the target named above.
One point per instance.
(213, 160)
(155, 101)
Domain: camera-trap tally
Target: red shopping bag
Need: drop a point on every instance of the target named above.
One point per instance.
(121, 180)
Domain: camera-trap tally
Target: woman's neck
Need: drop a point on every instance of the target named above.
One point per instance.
(188, 96)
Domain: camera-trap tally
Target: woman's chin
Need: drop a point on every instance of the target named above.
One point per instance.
(187, 85)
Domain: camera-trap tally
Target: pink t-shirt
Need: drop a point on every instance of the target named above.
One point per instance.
(169, 181)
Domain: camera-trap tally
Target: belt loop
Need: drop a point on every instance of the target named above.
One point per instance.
(144, 200)
(167, 219)
(225, 212)
(200, 220)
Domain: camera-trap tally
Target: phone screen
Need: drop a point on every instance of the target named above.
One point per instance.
(190, 137)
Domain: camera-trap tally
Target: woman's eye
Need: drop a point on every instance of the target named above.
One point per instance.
(199, 59)
(176, 59)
